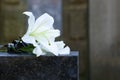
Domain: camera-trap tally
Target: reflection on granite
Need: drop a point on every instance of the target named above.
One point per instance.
(28, 67)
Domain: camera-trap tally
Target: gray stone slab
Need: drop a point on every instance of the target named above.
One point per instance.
(30, 67)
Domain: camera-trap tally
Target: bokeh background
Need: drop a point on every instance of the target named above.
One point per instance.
(71, 17)
(88, 26)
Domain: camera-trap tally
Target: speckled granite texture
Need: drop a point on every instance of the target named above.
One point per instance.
(28, 67)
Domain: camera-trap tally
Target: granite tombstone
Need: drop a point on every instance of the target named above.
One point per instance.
(30, 67)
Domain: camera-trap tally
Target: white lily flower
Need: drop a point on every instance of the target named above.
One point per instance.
(42, 35)
(41, 32)
(41, 29)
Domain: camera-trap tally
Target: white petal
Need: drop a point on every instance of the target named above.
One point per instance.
(44, 21)
(47, 46)
(31, 20)
(53, 33)
(42, 40)
(29, 39)
(60, 44)
(40, 30)
(50, 48)
(48, 36)
(37, 51)
(64, 51)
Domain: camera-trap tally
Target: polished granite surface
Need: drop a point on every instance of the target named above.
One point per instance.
(29, 67)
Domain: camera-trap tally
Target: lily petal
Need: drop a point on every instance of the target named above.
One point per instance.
(60, 44)
(29, 39)
(42, 39)
(31, 20)
(64, 51)
(48, 46)
(37, 51)
(53, 33)
(52, 48)
(45, 21)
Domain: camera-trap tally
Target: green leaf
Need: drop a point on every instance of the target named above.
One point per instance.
(27, 49)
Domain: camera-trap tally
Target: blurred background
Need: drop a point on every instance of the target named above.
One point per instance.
(70, 17)
(90, 27)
